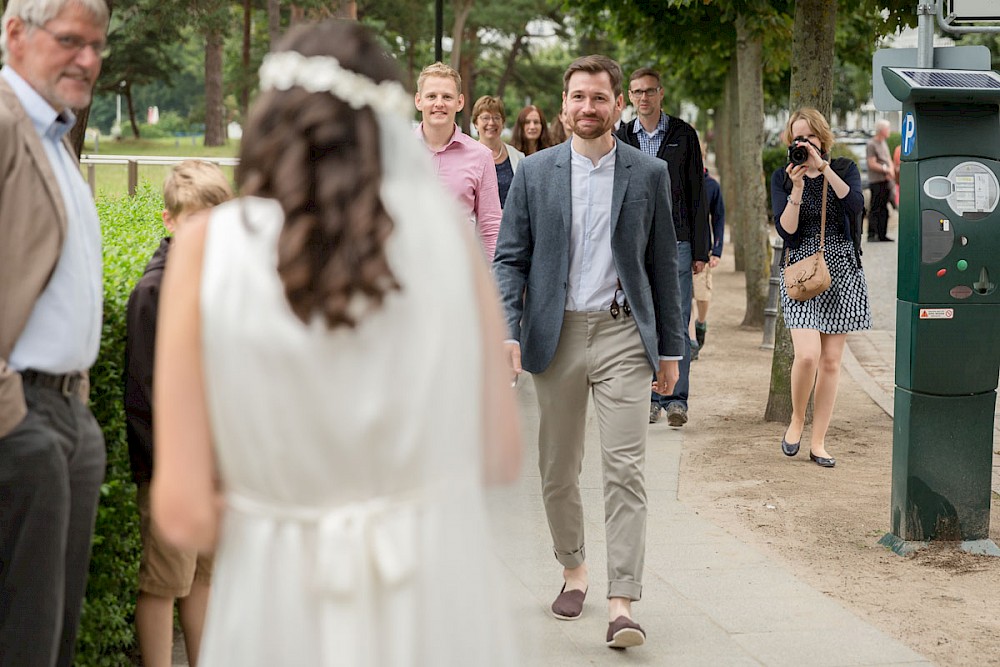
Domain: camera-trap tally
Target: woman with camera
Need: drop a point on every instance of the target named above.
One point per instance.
(818, 325)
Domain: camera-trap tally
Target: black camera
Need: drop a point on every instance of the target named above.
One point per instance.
(797, 153)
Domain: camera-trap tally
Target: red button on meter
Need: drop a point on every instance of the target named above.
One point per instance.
(941, 272)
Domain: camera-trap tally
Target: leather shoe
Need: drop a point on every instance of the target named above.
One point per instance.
(568, 605)
(823, 461)
(623, 632)
(789, 448)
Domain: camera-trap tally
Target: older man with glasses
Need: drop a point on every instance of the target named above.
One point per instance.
(672, 140)
(51, 448)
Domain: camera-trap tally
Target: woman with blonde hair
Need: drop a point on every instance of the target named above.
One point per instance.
(488, 116)
(530, 131)
(803, 193)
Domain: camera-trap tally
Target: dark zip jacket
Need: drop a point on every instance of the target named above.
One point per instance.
(143, 304)
(681, 150)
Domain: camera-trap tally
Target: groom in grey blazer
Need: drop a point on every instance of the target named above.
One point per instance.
(586, 264)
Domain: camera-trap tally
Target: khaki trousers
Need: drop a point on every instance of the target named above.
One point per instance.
(606, 357)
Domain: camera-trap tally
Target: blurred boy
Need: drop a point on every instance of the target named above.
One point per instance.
(165, 573)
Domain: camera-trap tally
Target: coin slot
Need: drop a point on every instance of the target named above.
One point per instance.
(983, 285)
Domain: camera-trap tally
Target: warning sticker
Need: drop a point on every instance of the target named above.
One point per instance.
(937, 313)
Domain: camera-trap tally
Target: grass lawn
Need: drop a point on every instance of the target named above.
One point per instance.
(112, 179)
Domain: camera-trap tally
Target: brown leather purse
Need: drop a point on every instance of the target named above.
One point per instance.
(810, 276)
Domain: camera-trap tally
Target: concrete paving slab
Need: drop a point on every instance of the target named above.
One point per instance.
(708, 598)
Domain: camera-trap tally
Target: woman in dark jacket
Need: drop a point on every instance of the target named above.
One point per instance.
(819, 326)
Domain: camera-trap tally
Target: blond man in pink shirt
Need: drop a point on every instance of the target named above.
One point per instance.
(463, 164)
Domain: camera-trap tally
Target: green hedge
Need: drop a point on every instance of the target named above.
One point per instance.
(132, 229)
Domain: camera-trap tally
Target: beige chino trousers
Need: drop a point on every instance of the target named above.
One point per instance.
(606, 357)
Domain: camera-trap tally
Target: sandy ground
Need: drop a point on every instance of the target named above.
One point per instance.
(825, 523)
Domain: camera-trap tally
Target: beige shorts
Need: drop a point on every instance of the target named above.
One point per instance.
(703, 284)
(163, 569)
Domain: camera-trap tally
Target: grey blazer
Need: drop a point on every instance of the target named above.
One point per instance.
(531, 265)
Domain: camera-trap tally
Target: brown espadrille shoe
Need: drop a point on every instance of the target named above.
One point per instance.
(568, 605)
(623, 632)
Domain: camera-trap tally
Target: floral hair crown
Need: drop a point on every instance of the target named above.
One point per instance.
(325, 74)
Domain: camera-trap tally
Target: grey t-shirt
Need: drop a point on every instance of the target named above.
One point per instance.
(880, 150)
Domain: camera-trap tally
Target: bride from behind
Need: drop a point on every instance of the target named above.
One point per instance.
(330, 394)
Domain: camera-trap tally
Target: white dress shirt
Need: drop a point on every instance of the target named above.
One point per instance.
(63, 332)
(593, 278)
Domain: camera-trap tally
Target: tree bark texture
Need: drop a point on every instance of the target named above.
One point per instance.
(130, 103)
(78, 133)
(813, 50)
(466, 69)
(347, 9)
(735, 218)
(245, 58)
(508, 69)
(462, 9)
(752, 199)
(273, 21)
(779, 398)
(215, 134)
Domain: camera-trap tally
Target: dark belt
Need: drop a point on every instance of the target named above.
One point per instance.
(68, 384)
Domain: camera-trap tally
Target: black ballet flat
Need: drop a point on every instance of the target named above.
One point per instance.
(823, 461)
(789, 448)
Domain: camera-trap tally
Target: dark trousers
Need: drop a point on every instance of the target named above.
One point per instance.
(878, 216)
(51, 469)
(685, 276)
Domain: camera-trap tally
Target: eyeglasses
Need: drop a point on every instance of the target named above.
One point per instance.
(486, 117)
(75, 43)
(648, 92)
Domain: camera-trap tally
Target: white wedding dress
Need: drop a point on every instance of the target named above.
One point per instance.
(355, 530)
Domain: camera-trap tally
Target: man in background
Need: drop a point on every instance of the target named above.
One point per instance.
(464, 165)
(881, 176)
(675, 142)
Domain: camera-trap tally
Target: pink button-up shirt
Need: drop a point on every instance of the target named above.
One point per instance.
(466, 168)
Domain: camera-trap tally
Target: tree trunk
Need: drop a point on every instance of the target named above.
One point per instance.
(752, 199)
(245, 59)
(298, 15)
(127, 92)
(813, 50)
(347, 9)
(78, 133)
(508, 70)
(462, 9)
(215, 134)
(734, 220)
(779, 398)
(466, 71)
(273, 21)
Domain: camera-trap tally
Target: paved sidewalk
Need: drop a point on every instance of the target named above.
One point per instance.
(708, 598)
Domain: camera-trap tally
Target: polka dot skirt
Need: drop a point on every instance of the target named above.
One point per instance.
(844, 306)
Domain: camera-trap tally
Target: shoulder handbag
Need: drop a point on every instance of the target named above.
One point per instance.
(809, 277)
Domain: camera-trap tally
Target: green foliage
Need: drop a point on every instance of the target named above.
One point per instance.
(774, 157)
(131, 229)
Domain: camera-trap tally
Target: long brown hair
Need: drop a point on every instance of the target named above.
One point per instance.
(320, 159)
(519, 141)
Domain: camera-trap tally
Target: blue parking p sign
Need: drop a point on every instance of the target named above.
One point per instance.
(909, 133)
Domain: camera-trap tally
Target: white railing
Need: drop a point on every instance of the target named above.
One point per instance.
(134, 161)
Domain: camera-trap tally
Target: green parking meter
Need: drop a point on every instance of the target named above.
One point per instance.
(947, 307)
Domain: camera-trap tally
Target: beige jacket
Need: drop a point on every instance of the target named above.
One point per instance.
(32, 230)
